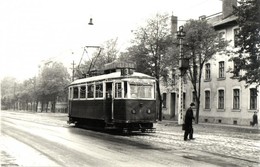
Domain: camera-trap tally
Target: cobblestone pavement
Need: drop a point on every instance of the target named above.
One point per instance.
(239, 145)
(235, 143)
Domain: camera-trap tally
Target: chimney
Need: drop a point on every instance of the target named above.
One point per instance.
(227, 7)
(174, 27)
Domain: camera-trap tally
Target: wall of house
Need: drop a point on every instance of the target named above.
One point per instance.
(227, 115)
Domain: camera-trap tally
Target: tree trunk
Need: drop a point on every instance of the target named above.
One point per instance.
(36, 106)
(27, 105)
(197, 112)
(53, 106)
(42, 106)
(47, 105)
(199, 90)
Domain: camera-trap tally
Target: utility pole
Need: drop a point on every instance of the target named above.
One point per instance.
(183, 66)
(73, 70)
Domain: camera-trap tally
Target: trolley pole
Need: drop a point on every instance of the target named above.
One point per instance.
(183, 66)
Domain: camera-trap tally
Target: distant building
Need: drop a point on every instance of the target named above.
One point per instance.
(223, 98)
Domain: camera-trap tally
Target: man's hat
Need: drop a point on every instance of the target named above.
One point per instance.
(192, 104)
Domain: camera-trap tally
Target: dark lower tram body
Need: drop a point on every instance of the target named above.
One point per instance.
(121, 114)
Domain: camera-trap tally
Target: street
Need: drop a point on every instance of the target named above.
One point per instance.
(45, 139)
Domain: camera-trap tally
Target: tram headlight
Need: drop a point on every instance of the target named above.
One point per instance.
(133, 111)
(148, 111)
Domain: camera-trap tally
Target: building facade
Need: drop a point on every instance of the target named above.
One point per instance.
(223, 98)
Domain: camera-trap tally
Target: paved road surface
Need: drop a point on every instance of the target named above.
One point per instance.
(44, 139)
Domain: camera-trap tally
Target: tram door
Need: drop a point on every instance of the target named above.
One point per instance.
(109, 102)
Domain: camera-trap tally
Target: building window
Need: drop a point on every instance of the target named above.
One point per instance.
(164, 100)
(236, 99)
(253, 99)
(207, 99)
(207, 71)
(236, 36)
(221, 99)
(83, 92)
(221, 69)
(236, 70)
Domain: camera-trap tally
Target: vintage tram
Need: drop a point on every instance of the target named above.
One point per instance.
(118, 98)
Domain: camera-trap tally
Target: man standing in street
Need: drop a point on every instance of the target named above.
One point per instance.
(188, 123)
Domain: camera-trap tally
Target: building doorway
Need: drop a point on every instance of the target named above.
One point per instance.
(173, 105)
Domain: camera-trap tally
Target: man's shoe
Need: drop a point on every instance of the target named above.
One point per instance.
(192, 139)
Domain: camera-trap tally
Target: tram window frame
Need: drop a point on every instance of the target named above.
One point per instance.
(117, 92)
(137, 90)
(149, 92)
(70, 95)
(84, 92)
(74, 92)
(88, 91)
(97, 93)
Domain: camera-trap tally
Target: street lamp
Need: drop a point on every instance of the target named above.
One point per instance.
(90, 21)
(183, 66)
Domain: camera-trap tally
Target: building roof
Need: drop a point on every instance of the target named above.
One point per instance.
(218, 21)
(232, 18)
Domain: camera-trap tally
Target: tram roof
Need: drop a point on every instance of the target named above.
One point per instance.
(114, 75)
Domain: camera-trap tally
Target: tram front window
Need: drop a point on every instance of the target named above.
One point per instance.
(140, 91)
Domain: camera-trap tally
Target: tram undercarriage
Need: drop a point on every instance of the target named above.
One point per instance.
(101, 124)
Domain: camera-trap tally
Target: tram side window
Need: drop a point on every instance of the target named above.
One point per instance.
(75, 92)
(134, 91)
(83, 92)
(70, 93)
(91, 91)
(99, 90)
(118, 90)
(125, 88)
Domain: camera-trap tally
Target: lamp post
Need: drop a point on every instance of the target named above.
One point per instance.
(183, 66)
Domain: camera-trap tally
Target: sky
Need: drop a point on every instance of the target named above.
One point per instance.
(36, 31)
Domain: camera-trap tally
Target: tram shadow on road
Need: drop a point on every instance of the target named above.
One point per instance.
(116, 136)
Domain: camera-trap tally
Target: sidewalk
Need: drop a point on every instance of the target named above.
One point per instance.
(255, 129)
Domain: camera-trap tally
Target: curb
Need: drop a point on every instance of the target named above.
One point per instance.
(226, 126)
